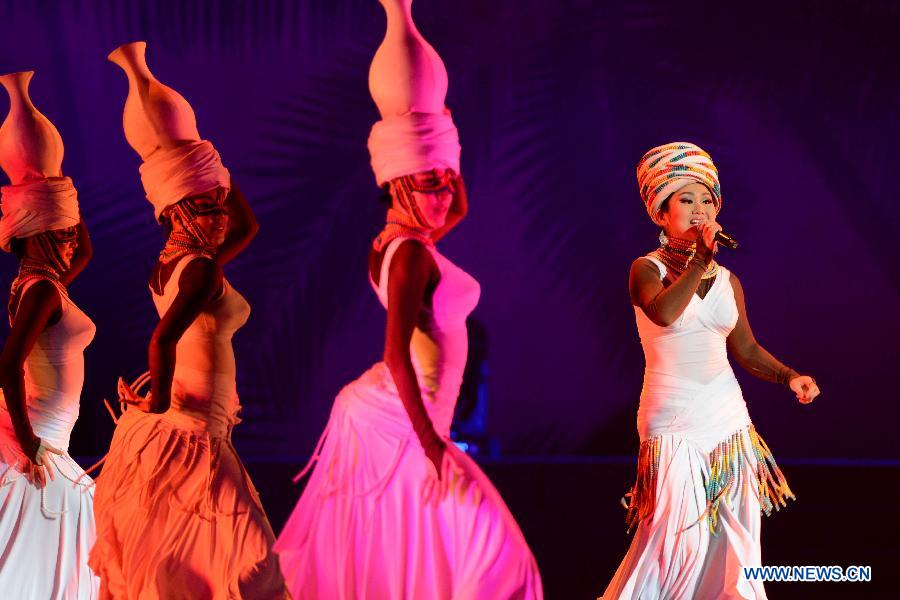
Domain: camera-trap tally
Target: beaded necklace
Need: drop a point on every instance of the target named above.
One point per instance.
(677, 253)
(184, 242)
(30, 269)
(192, 239)
(399, 224)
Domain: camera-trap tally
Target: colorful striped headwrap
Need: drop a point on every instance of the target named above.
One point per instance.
(665, 169)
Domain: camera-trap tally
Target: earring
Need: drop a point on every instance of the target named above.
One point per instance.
(663, 239)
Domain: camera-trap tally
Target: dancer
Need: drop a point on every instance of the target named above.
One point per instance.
(46, 499)
(393, 510)
(704, 473)
(177, 514)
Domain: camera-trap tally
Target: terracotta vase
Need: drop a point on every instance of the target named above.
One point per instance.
(30, 146)
(155, 116)
(406, 74)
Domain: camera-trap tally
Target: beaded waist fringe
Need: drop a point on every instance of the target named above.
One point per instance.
(726, 461)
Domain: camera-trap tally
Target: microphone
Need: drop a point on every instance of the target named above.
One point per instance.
(726, 240)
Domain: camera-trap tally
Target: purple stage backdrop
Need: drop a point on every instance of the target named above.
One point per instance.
(555, 102)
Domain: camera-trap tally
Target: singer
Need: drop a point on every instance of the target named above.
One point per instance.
(704, 474)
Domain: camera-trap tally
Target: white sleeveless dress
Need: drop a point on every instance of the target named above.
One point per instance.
(46, 535)
(361, 529)
(704, 474)
(177, 514)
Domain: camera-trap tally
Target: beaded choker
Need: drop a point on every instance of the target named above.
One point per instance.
(192, 238)
(31, 269)
(399, 224)
(183, 242)
(676, 254)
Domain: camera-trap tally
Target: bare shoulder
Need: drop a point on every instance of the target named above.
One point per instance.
(644, 281)
(643, 268)
(736, 287)
(40, 297)
(201, 274)
(42, 289)
(202, 265)
(412, 255)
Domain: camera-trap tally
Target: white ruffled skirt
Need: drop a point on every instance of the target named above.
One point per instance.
(45, 533)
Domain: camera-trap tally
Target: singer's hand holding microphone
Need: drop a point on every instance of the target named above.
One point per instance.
(708, 234)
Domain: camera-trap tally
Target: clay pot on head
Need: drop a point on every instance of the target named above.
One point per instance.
(155, 116)
(30, 146)
(406, 74)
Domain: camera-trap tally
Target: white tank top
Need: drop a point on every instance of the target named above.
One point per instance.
(439, 348)
(689, 387)
(54, 372)
(693, 346)
(203, 385)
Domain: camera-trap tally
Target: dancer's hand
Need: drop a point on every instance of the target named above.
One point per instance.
(452, 479)
(805, 387)
(435, 452)
(133, 399)
(40, 466)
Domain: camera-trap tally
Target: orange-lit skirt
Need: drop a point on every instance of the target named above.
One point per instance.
(177, 515)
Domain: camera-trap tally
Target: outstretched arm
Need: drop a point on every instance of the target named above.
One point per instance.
(757, 360)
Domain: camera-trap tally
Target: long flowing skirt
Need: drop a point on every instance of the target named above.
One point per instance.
(362, 528)
(45, 534)
(178, 517)
(704, 476)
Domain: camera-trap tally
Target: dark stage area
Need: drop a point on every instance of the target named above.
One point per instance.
(570, 514)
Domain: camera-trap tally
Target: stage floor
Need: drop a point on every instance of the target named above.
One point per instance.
(570, 513)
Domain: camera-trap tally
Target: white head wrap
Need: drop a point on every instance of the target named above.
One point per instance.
(37, 206)
(170, 175)
(413, 143)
